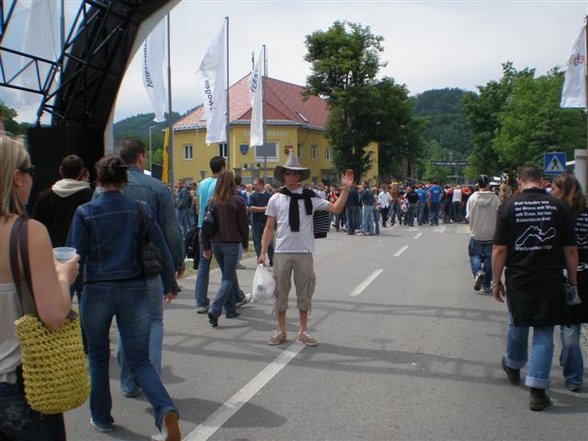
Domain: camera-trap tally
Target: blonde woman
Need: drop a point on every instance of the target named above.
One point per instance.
(50, 284)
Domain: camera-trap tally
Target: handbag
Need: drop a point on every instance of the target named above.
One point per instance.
(54, 367)
(209, 224)
(150, 257)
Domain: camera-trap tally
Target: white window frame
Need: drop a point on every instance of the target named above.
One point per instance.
(222, 149)
(329, 153)
(314, 152)
(188, 152)
(274, 158)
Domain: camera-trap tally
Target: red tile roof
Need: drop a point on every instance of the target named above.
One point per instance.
(283, 103)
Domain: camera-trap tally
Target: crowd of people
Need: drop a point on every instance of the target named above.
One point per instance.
(536, 237)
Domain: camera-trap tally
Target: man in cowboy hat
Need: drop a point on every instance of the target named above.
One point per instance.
(291, 211)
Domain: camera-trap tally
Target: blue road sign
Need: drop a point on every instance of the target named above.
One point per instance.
(554, 163)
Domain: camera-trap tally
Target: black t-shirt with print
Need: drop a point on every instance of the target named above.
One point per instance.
(582, 236)
(535, 226)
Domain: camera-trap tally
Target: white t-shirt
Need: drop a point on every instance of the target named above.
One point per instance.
(384, 199)
(288, 241)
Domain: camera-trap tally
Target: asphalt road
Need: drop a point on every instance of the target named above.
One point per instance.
(407, 351)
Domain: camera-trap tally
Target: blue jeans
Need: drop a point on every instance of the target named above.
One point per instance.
(571, 359)
(185, 220)
(350, 219)
(127, 301)
(411, 214)
(377, 220)
(435, 213)
(155, 295)
(517, 340)
(421, 213)
(18, 422)
(393, 213)
(257, 231)
(201, 289)
(481, 259)
(367, 220)
(226, 254)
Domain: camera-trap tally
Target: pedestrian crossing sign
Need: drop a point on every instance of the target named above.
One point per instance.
(554, 163)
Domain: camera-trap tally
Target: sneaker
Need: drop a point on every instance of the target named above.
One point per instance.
(486, 290)
(170, 428)
(514, 375)
(103, 428)
(478, 279)
(241, 266)
(202, 310)
(307, 339)
(246, 299)
(233, 315)
(538, 399)
(277, 339)
(212, 319)
(573, 387)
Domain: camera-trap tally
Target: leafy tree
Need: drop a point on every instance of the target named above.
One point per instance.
(8, 116)
(345, 61)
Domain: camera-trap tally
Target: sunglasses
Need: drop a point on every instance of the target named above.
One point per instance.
(29, 170)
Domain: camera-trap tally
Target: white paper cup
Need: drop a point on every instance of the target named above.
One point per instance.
(63, 254)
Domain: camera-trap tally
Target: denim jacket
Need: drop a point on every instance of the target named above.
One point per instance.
(148, 189)
(105, 232)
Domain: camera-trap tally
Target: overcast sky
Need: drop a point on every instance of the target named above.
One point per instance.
(427, 44)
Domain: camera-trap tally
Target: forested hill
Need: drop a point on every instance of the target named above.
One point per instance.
(138, 126)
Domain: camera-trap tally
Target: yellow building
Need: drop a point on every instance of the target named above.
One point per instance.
(292, 123)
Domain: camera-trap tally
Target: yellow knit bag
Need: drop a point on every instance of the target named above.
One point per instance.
(54, 366)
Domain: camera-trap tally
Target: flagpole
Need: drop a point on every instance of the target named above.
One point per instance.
(170, 147)
(228, 118)
(263, 114)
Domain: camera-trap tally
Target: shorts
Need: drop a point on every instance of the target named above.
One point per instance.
(302, 265)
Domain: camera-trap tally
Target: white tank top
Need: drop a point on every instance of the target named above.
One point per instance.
(10, 310)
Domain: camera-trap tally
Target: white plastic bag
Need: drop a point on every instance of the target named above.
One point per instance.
(264, 285)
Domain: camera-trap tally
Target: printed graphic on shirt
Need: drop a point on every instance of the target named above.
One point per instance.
(582, 231)
(534, 238)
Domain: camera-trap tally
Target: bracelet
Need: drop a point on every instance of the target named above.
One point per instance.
(493, 283)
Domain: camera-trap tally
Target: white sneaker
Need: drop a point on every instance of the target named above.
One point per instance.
(245, 300)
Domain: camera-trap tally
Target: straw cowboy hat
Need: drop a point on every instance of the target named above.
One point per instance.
(292, 164)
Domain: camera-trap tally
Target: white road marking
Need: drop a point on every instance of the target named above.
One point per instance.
(400, 251)
(418, 235)
(363, 285)
(215, 421)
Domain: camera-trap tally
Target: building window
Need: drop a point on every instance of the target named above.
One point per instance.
(328, 153)
(313, 152)
(188, 153)
(269, 149)
(300, 150)
(222, 149)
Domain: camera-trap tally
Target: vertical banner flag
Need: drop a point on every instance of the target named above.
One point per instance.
(153, 62)
(256, 99)
(213, 80)
(574, 89)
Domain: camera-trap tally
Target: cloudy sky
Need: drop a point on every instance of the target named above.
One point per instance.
(427, 44)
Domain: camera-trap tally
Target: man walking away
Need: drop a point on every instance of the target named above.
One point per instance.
(257, 206)
(535, 240)
(481, 215)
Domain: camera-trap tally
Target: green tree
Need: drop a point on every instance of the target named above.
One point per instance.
(8, 118)
(345, 61)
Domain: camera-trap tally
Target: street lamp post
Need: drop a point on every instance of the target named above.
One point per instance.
(150, 149)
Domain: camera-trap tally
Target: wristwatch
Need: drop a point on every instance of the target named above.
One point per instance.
(493, 283)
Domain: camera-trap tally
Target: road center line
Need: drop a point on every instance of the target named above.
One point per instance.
(418, 235)
(401, 250)
(215, 421)
(363, 285)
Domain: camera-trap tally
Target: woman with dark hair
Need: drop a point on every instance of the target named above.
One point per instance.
(107, 232)
(567, 188)
(231, 230)
(50, 285)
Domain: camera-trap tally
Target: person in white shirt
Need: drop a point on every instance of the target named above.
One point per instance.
(291, 211)
(384, 201)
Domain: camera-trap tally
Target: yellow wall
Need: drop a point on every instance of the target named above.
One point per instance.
(300, 141)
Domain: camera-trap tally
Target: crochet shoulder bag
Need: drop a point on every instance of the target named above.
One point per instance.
(54, 367)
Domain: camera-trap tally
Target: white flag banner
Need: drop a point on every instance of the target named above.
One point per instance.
(574, 89)
(256, 99)
(213, 80)
(153, 62)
